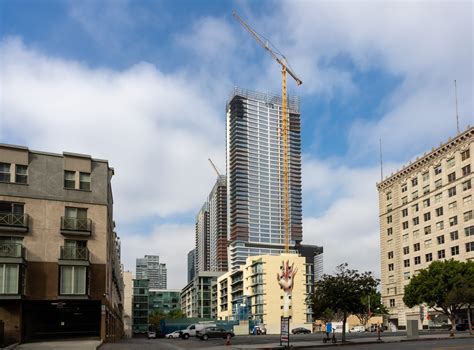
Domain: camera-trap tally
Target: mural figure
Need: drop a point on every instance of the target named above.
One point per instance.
(285, 280)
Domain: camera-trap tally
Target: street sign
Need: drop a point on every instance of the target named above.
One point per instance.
(285, 331)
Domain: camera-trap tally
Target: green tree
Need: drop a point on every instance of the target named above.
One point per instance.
(342, 293)
(176, 313)
(371, 304)
(154, 319)
(446, 286)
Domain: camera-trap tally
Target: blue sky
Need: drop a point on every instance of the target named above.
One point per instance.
(144, 85)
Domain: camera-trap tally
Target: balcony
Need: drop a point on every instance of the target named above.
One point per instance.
(76, 226)
(12, 253)
(13, 222)
(74, 256)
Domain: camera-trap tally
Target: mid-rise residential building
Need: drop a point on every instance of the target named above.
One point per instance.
(59, 252)
(150, 268)
(140, 306)
(253, 292)
(191, 264)
(202, 239)
(164, 300)
(196, 297)
(127, 303)
(426, 214)
(255, 172)
(218, 226)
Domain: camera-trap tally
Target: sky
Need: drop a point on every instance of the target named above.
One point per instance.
(144, 84)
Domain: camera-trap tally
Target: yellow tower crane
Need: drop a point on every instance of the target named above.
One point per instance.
(284, 117)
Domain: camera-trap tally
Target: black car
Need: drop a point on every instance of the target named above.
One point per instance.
(300, 330)
(462, 327)
(213, 332)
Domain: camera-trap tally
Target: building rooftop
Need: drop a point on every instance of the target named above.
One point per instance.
(293, 101)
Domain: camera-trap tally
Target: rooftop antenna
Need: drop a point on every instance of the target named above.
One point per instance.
(381, 162)
(456, 96)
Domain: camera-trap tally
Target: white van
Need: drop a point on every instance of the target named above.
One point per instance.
(190, 331)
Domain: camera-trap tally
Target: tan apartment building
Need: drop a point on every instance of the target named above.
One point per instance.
(60, 271)
(127, 303)
(426, 214)
(255, 284)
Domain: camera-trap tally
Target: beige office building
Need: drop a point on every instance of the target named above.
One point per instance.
(60, 270)
(426, 214)
(127, 303)
(256, 284)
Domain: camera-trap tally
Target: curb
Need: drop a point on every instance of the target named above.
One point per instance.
(9, 347)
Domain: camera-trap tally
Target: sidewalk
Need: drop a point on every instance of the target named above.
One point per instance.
(61, 345)
(371, 340)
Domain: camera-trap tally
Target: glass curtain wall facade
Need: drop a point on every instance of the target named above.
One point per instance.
(255, 178)
(202, 239)
(218, 226)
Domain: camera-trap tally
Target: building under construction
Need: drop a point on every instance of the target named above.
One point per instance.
(255, 179)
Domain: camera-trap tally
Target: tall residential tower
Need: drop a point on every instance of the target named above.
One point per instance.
(150, 268)
(254, 169)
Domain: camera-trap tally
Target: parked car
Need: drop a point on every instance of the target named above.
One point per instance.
(175, 334)
(213, 332)
(357, 329)
(259, 330)
(191, 330)
(151, 335)
(300, 330)
(463, 327)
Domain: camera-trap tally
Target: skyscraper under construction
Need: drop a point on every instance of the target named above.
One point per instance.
(255, 179)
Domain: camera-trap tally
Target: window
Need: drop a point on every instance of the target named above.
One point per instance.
(438, 197)
(417, 260)
(467, 200)
(427, 230)
(452, 205)
(455, 250)
(470, 247)
(441, 254)
(405, 237)
(5, 172)
(406, 275)
(389, 231)
(426, 176)
(440, 225)
(21, 174)
(416, 221)
(428, 257)
(390, 255)
(404, 200)
(405, 212)
(414, 181)
(426, 203)
(415, 207)
(85, 181)
(428, 243)
(454, 235)
(75, 219)
(439, 211)
(416, 247)
(437, 170)
(405, 225)
(390, 267)
(9, 277)
(426, 189)
(414, 195)
(453, 221)
(406, 250)
(451, 177)
(389, 208)
(406, 263)
(427, 216)
(438, 183)
(469, 231)
(466, 170)
(467, 215)
(389, 219)
(73, 280)
(404, 188)
(465, 155)
(392, 302)
(452, 191)
(440, 239)
(389, 195)
(69, 179)
(466, 185)
(450, 162)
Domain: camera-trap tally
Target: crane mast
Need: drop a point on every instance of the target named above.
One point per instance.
(281, 60)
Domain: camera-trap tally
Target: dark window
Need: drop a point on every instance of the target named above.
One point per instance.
(455, 250)
(416, 247)
(428, 257)
(439, 211)
(85, 181)
(417, 260)
(451, 177)
(389, 219)
(390, 255)
(466, 170)
(406, 263)
(405, 212)
(416, 221)
(427, 216)
(406, 250)
(440, 239)
(452, 191)
(405, 225)
(69, 179)
(466, 185)
(454, 235)
(21, 174)
(437, 170)
(465, 154)
(414, 181)
(5, 172)
(389, 231)
(441, 254)
(470, 247)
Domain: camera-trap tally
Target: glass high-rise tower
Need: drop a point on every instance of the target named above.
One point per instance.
(255, 175)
